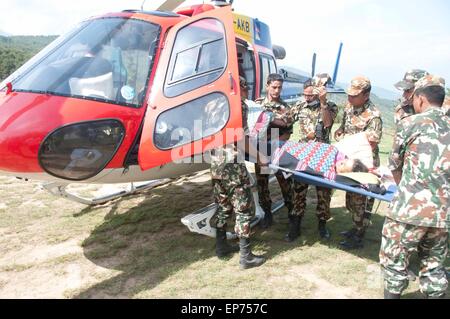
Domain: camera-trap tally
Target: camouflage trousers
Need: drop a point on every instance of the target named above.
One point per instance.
(398, 241)
(233, 193)
(323, 201)
(263, 190)
(360, 207)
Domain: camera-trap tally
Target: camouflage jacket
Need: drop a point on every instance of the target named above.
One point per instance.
(421, 151)
(403, 110)
(446, 106)
(365, 119)
(310, 121)
(228, 154)
(280, 110)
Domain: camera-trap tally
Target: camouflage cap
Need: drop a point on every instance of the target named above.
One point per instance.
(429, 80)
(410, 78)
(243, 82)
(358, 85)
(321, 79)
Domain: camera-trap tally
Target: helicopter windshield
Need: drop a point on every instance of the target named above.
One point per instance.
(108, 59)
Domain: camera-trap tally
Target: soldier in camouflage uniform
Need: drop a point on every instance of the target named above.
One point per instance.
(316, 116)
(231, 185)
(280, 109)
(405, 108)
(419, 216)
(360, 115)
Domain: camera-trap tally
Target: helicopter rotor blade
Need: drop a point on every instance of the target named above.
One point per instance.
(170, 5)
(336, 67)
(313, 66)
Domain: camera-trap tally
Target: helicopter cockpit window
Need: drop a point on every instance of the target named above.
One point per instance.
(191, 121)
(38, 57)
(268, 66)
(108, 59)
(199, 57)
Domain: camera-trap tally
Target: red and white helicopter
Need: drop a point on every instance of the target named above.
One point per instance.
(116, 99)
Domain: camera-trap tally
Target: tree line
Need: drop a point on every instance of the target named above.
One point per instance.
(16, 50)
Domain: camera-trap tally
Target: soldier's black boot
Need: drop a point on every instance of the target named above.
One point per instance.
(348, 233)
(247, 259)
(355, 241)
(267, 221)
(323, 231)
(222, 247)
(389, 295)
(294, 228)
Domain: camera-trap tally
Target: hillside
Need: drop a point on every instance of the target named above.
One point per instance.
(385, 106)
(16, 50)
(386, 94)
(4, 34)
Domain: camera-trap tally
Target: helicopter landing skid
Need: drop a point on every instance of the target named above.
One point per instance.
(200, 221)
(59, 189)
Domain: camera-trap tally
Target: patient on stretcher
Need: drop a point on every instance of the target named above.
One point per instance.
(349, 161)
(315, 158)
(326, 161)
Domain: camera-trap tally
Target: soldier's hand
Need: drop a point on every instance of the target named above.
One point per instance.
(321, 92)
(311, 136)
(338, 134)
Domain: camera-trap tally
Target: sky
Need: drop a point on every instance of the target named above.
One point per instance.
(382, 38)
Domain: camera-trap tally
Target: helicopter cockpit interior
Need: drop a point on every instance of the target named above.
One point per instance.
(105, 60)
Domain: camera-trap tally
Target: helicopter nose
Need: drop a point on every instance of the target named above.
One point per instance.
(41, 134)
(22, 128)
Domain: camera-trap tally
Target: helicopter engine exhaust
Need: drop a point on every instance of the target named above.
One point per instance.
(279, 52)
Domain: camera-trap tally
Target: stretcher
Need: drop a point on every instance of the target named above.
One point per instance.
(199, 221)
(341, 183)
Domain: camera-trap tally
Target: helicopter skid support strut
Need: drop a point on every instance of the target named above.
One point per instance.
(59, 189)
(200, 221)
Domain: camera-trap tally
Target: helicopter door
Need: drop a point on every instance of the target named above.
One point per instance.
(246, 64)
(195, 95)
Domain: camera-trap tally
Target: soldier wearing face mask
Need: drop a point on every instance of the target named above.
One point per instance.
(405, 108)
(315, 116)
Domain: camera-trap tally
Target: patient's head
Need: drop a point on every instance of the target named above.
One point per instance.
(350, 165)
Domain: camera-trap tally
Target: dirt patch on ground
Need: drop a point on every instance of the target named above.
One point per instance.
(322, 288)
(41, 253)
(55, 281)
